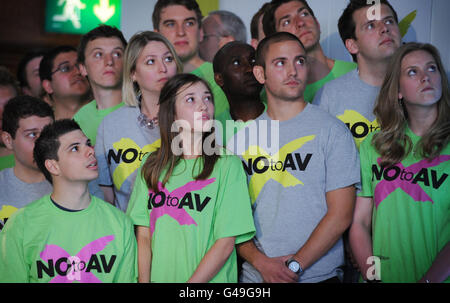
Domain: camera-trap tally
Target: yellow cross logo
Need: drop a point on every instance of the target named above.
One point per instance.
(257, 181)
(124, 170)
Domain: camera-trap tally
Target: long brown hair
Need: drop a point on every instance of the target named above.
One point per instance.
(391, 142)
(164, 157)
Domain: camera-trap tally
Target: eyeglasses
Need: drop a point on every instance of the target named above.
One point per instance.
(206, 37)
(65, 68)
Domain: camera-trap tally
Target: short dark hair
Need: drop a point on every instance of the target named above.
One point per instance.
(191, 5)
(47, 145)
(46, 66)
(218, 65)
(21, 68)
(101, 31)
(255, 20)
(346, 23)
(7, 79)
(263, 46)
(22, 107)
(269, 25)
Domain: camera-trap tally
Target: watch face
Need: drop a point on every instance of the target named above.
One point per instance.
(294, 266)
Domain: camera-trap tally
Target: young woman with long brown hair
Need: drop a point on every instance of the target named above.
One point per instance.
(190, 203)
(402, 214)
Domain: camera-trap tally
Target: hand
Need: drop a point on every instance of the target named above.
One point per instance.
(274, 270)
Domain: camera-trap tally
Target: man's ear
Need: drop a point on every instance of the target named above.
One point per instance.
(47, 86)
(219, 79)
(352, 46)
(83, 70)
(52, 166)
(258, 72)
(7, 140)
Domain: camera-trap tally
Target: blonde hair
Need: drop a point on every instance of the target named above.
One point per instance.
(391, 142)
(137, 43)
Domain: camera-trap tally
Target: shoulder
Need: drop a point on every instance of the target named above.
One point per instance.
(86, 108)
(109, 211)
(123, 112)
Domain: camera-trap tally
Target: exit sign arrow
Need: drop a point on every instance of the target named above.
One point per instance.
(104, 11)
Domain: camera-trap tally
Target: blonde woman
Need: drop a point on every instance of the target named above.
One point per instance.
(130, 132)
(401, 224)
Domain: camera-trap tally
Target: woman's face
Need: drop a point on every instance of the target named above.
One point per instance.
(154, 66)
(420, 80)
(194, 107)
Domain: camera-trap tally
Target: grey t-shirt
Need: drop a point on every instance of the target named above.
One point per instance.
(121, 145)
(288, 183)
(352, 101)
(15, 194)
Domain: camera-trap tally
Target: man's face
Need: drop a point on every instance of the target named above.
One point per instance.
(76, 158)
(34, 87)
(237, 77)
(285, 74)
(180, 26)
(375, 39)
(6, 93)
(212, 40)
(23, 144)
(294, 17)
(104, 63)
(67, 81)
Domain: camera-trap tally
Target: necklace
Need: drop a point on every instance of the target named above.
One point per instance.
(146, 122)
(142, 119)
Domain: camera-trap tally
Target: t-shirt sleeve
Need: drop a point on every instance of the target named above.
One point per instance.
(233, 213)
(104, 175)
(13, 266)
(366, 170)
(137, 206)
(342, 159)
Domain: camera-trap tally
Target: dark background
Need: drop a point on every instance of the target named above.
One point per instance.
(22, 28)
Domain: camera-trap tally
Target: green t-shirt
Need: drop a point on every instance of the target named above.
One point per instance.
(206, 72)
(7, 161)
(340, 68)
(89, 118)
(187, 217)
(43, 243)
(411, 214)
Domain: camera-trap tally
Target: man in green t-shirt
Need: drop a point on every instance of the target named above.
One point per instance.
(180, 21)
(69, 235)
(100, 56)
(297, 18)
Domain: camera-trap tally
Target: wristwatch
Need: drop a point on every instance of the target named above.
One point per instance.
(294, 266)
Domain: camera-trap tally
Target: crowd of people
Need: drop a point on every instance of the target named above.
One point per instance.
(187, 155)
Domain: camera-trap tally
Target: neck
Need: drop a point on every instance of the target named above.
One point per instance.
(5, 151)
(66, 109)
(372, 73)
(28, 175)
(192, 144)
(107, 98)
(71, 196)
(284, 110)
(420, 119)
(245, 108)
(192, 64)
(319, 65)
(149, 104)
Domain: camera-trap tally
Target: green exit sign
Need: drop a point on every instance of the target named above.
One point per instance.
(80, 16)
